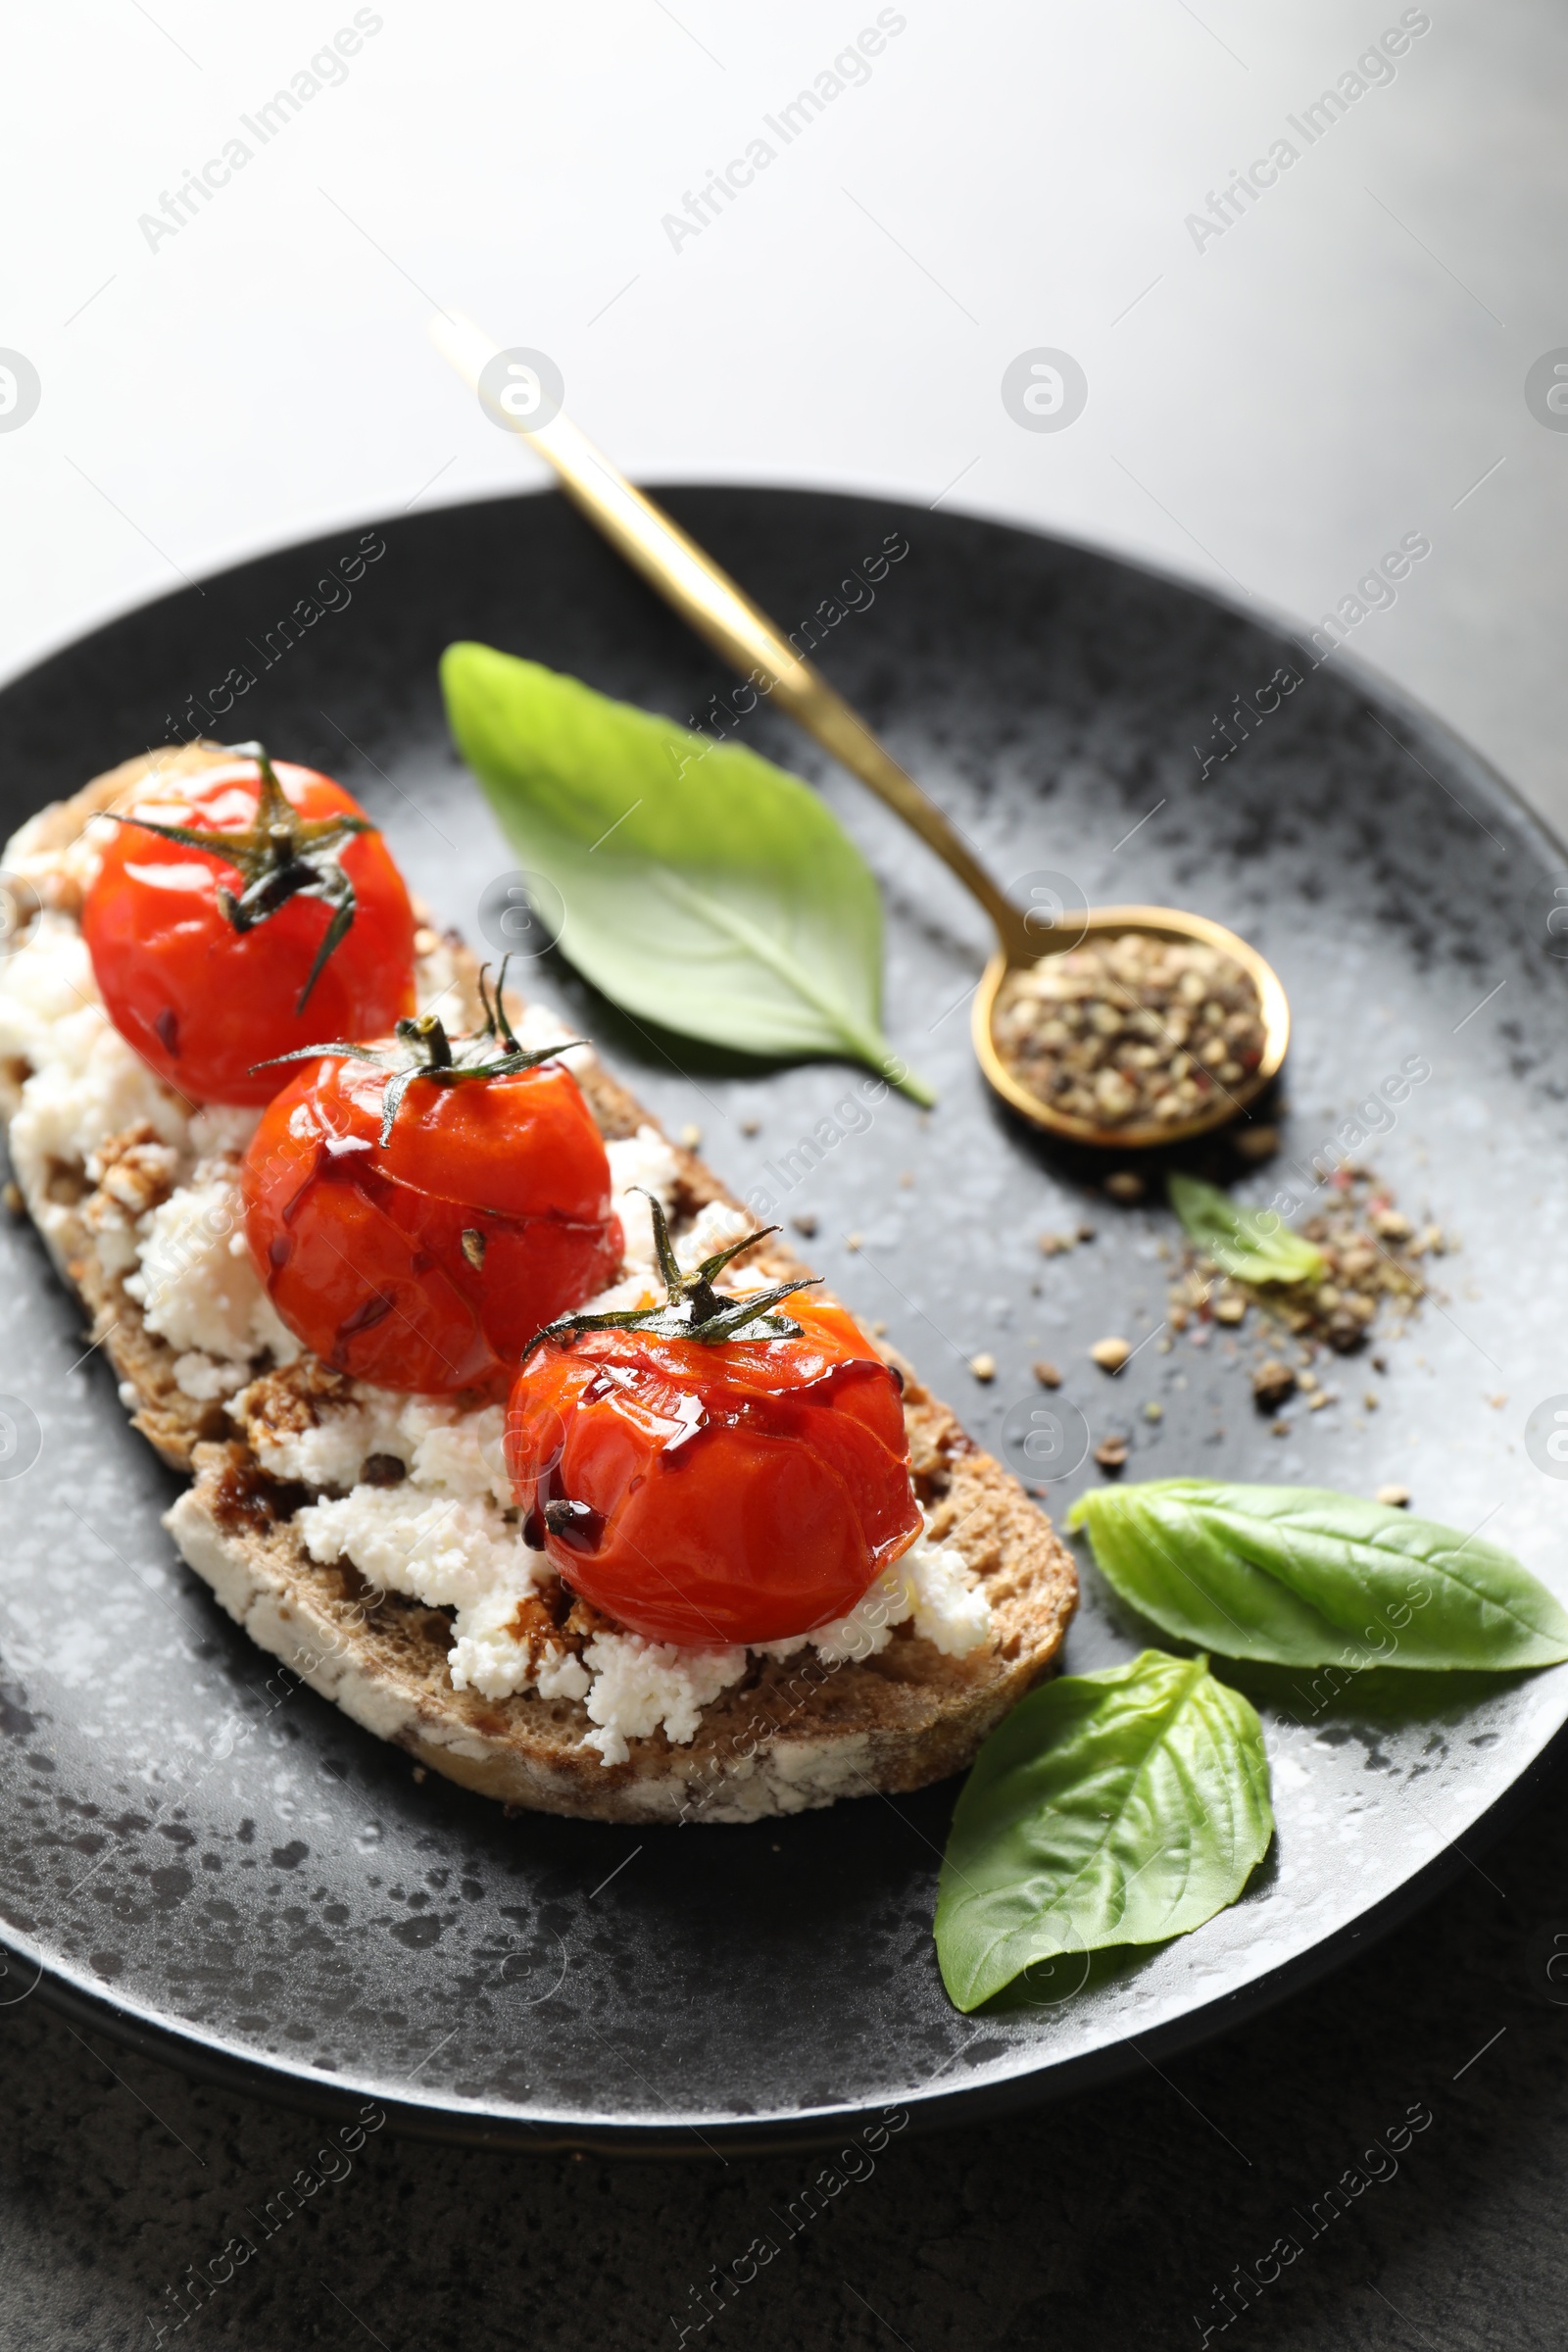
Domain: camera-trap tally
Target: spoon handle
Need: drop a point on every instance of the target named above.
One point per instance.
(739, 631)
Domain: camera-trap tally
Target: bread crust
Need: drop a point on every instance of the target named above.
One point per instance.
(794, 1734)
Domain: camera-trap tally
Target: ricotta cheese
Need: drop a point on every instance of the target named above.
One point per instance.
(449, 1553)
(643, 1160)
(195, 1283)
(538, 1026)
(642, 1686)
(85, 1083)
(933, 1584)
(445, 1451)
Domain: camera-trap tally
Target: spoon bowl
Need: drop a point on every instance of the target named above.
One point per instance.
(1159, 922)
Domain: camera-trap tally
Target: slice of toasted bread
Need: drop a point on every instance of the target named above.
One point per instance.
(795, 1733)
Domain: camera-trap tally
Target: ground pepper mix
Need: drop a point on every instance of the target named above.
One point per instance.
(1130, 1030)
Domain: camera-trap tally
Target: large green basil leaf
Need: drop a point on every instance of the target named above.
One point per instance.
(1250, 1243)
(704, 887)
(1299, 1576)
(1108, 1808)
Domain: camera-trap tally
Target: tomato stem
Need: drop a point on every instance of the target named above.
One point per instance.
(280, 855)
(693, 1308)
(422, 1048)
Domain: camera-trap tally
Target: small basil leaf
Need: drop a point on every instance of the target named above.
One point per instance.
(1108, 1808)
(1250, 1243)
(704, 887)
(1298, 1575)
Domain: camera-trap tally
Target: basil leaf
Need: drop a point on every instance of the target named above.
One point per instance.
(1251, 1244)
(1108, 1808)
(705, 889)
(1297, 1576)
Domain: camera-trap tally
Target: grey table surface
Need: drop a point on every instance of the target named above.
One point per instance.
(1111, 2221)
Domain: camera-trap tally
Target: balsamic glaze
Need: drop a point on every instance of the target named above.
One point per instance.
(578, 1525)
(366, 1315)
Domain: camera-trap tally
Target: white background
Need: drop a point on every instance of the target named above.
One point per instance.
(1342, 367)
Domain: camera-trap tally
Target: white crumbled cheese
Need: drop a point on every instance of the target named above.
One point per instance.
(932, 1583)
(539, 1026)
(186, 1262)
(714, 1228)
(642, 1686)
(641, 1289)
(950, 1609)
(644, 1159)
(221, 1130)
(439, 1549)
(451, 1555)
(76, 862)
(488, 1655)
(445, 1451)
(458, 1453)
(435, 980)
(87, 1084)
(44, 982)
(204, 1378)
(335, 1450)
(195, 1283)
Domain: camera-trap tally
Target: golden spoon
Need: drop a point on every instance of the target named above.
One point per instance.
(738, 630)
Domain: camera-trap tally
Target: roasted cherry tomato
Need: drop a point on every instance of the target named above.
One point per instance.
(211, 960)
(418, 1209)
(710, 1491)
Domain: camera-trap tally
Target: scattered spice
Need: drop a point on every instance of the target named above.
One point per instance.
(1273, 1383)
(984, 1368)
(1397, 1497)
(1369, 1254)
(1057, 1245)
(1125, 1184)
(751, 1126)
(1153, 1410)
(1256, 1143)
(1110, 1354)
(1112, 1454)
(13, 1199)
(805, 1224)
(1129, 1029)
(1047, 1375)
(691, 1136)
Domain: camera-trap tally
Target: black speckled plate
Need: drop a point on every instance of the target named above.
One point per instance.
(198, 1853)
